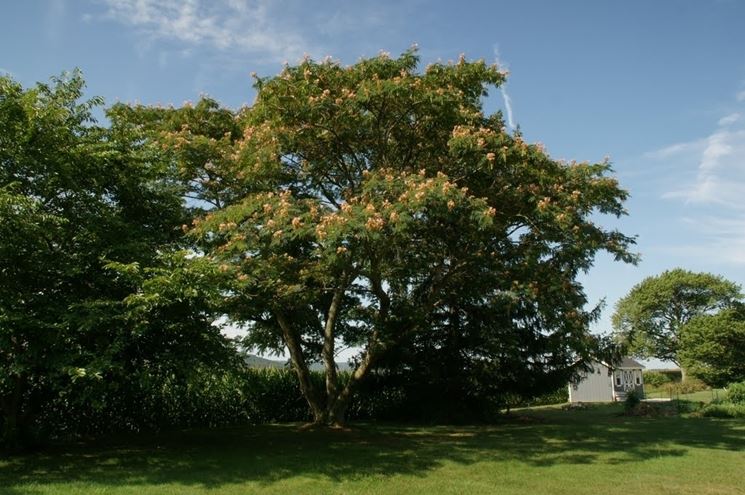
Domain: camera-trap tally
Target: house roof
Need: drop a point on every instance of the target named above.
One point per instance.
(627, 362)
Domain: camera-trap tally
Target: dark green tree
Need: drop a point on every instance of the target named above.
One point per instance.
(712, 347)
(77, 200)
(650, 317)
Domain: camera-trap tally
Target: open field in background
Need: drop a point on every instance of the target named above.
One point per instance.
(700, 396)
(547, 450)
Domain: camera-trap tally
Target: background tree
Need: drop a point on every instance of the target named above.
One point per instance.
(650, 317)
(76, 199)
(712, 347)
(380, 204)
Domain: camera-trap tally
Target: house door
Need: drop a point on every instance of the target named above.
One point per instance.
(627, 380)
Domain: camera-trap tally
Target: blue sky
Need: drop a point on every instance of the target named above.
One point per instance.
(659, 87)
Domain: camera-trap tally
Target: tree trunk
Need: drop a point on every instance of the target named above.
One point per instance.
(337, 413)
(333, 411)
(292, 339)
(338, 404)
(683, 374)
(329, 340)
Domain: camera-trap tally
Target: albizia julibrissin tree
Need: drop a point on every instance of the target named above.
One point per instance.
(375, 199)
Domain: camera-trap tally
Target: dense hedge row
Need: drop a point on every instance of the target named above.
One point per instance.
(251, 396)
(656, 379)
(206, 399)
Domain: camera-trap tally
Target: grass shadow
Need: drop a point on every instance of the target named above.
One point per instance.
(267, 454)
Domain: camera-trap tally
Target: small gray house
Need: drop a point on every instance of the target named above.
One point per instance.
(605, 383)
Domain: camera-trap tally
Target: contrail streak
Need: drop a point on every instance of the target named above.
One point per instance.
(503, 90)
(508, 106)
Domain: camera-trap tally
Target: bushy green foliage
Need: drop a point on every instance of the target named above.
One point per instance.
(558, 396)
(732, 406)
(657, 379)
(687, 387)
(713, 346)
(74, 197)
(205, 398)
(633, 399)
(736, 393)
(401, 397)
(724, 410)
(237, 395)
(650, 317)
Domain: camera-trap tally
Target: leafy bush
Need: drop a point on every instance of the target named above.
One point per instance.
(736, 393)
(724, 410)
(558, 396)
(402, 397)
(689, 386)
(633, 399)
(657, 379)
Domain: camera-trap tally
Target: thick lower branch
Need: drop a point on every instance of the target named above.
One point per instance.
(292, 340)
(337, 411)
(332, 381)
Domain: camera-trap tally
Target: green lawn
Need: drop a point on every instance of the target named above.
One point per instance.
(701, 396)
(592, 451)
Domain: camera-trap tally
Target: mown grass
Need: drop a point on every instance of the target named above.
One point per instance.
(546, 451)
(700, 396)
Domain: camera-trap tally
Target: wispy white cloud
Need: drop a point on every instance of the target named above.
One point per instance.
(710, 177)
(741, 95)
(720, 173)
(676, 149)
(721, 240)
(503, 90)
(729, 119)
(249, 26)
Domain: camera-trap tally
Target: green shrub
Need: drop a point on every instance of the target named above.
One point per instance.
(657, 379)
(724, 410)
(633, 399)
(736, 393)
(558, 396)
(689, 386)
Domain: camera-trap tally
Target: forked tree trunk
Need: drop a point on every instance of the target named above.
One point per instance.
(337, 412)
(328, 352)
(292, 340)
(333, 411)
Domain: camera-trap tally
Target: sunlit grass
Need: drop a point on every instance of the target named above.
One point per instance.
(700, 396)
(544, 451)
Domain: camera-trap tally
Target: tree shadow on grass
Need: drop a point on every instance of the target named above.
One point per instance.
(264, 455)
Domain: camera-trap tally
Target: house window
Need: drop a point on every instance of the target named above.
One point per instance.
(618, 379)
(638, 380)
